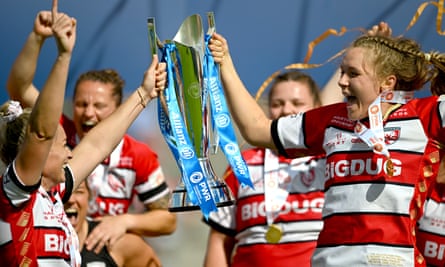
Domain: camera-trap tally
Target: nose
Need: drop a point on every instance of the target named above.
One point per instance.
(288, 109)
(342, 80)
(89, 111)
(69, 153)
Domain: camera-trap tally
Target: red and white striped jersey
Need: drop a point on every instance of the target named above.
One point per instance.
(299, 217)
(132, 168)
(369, 216)
(34, 230)
(431, 227)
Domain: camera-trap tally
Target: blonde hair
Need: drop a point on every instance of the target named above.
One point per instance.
(404, 58)
(12, 130)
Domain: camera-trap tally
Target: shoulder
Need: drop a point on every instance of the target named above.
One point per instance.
(328, 111)
(430, 100)
(423, 107)
(132, 250)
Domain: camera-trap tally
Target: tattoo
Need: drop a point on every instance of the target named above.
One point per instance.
(160, 204)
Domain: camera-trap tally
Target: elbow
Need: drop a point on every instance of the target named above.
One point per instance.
(170, 224)
(250, 139)
(43, 132)
(259, 137)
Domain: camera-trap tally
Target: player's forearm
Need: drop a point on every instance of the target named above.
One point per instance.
(53, 92)
(151, 223)
(253, 124)
(23, 70)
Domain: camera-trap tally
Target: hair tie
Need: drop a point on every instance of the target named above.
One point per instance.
(14, 110)
(427, 56)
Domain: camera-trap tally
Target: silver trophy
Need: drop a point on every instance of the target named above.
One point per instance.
(193, 103)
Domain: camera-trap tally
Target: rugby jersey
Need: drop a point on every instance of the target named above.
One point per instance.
(369, 216)
(34, 229)
(299, 217)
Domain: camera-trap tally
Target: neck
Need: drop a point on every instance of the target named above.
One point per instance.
(387, 108)
(46, 184)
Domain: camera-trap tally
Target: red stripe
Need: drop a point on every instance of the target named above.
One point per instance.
(432, 247)
(363, 229)
(266, 255)
(51, 243)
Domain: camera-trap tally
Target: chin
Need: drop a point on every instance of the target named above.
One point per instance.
(61, 178)
(353, 116)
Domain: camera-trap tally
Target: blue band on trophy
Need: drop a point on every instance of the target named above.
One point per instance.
(221, 119)
(167, 132)
(194, 178)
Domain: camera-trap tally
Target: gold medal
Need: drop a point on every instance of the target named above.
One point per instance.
(274, 234)
(389, 167)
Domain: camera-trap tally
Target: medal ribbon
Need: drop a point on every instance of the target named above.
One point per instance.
(399, 97)
(221, 120)
(375, 136)
(175, 133)
(274, 196)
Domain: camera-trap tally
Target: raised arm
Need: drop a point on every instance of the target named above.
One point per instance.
(45, 115)
(21, 76)
(251, 120)
(103, 138)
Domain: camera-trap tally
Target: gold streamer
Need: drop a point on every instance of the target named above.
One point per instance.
(265, 84)
(311, 46)
(308, 56)
(440, 6)
(321, 38)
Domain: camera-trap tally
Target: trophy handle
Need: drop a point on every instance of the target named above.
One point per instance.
(211, 23)
(152, 35)
(154, 44)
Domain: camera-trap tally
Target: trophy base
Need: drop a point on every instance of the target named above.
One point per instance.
(181, 202)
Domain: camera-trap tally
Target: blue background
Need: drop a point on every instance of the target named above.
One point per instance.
(264, 36)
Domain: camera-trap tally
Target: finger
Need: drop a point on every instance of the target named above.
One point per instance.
(99, 246)
(92, 240)
(90, 244)
(74, 22)
(162, 66)
(54, 9)
(73, 27)
(155, 60)
(216, 35)
(154, 64)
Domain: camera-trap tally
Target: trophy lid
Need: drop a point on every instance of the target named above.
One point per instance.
(191, 33)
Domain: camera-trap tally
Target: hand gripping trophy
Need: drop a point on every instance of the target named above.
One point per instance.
(192, 105)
